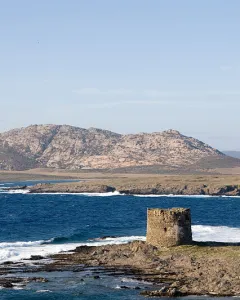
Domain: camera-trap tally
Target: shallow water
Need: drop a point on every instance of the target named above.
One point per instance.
(43, 224)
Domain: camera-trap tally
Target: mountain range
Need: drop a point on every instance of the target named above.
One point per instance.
(74, 148)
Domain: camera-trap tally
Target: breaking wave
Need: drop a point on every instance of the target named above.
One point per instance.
(216, 233)
(172, 195)
(109, 194)
(18, 191)
(17, 251)
(25, 191)
(24, 250)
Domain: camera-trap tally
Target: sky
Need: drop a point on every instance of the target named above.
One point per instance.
(124, 65)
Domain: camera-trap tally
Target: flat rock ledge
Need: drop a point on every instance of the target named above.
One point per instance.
(139, 188)
(198, 269)
(71, 188)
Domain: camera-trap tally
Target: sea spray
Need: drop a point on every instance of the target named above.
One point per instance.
(16, 251)
(24, 250)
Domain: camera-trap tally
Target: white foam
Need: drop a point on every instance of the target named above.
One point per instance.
(183, 196)
(117, 287)
(216, 233)
(24, 250)
(109, 194)
(136, 281)
(230, 196)
(25, 191)
(171, 195)
(18, 191)
(17, 288)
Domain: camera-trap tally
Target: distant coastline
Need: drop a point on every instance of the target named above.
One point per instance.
(147, 185)
(124, 183)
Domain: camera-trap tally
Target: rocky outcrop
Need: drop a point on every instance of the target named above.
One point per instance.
(225, 190)
(68, 147)
(140, 187)
(12, 159)
(71, 188)
(198, 269)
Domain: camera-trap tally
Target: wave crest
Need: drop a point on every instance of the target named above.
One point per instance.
(15, 251)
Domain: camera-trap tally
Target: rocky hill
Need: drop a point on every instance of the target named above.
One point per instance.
(68, 147)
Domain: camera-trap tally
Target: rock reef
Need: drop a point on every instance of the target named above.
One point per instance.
(198, 269)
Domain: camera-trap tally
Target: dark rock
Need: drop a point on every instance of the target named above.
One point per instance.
(7, 285)
(8, 263)
(36, 257)
(15, 188)
(164, 292)
(38, 279)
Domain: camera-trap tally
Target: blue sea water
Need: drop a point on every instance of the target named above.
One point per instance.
(49, 223)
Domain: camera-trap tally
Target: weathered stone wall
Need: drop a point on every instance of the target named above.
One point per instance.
(169, 227)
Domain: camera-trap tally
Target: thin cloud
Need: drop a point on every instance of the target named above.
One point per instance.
(110, 92)
(159, 93)
(130, 102)
(127, 92)
(153, 94)
(87, 91)
(224, 93)
(226, 68)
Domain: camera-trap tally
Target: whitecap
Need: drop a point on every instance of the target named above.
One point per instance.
(135, 281)
(24, 250)
(172, 195)
(25, 191)
(117, 287)
(16, 251)
(216, 233)
(108, 194)
(18, 287)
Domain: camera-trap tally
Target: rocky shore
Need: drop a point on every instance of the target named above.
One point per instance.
(198, 269)
(174, 185)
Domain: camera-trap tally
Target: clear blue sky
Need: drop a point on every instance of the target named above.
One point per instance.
(124, 65)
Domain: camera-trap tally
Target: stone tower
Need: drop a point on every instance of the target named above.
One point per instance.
(169, 227)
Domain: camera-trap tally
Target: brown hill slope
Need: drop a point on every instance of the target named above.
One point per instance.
(68, 147)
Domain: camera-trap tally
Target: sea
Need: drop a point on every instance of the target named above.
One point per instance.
(43, 224)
